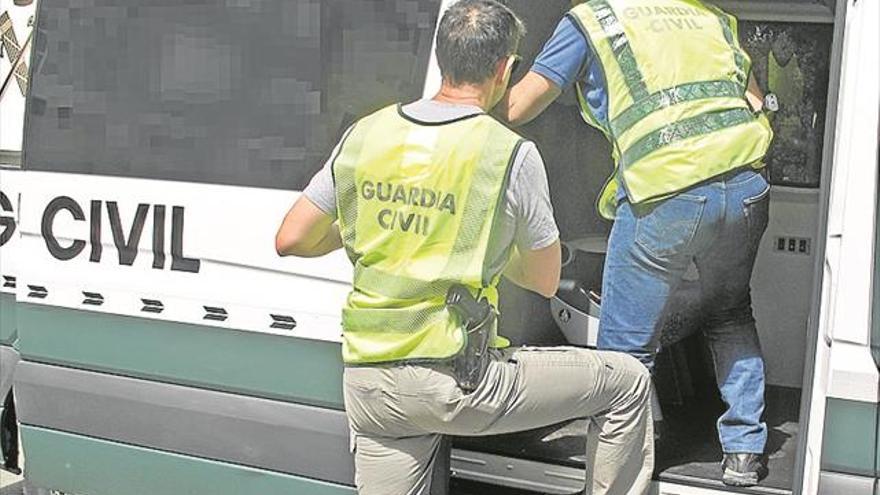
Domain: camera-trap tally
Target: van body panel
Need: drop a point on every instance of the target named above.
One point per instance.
(237, 429)
(854, 374)
(189, 247)
(80, 464)
(263, 365)
(9, 358)
(850, 444)
(8, 331)
(10, 181)
(838, 483)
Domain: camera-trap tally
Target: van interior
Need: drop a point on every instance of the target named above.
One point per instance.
(791, 48)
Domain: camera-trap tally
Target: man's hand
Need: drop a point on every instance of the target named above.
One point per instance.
(537, 270)
(307, 231)
(527, 99)
(754, 95)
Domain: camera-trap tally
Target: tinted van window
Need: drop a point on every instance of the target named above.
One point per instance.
(793, 62)
(247, 92)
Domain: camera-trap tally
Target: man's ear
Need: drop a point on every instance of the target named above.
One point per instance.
(501, 70)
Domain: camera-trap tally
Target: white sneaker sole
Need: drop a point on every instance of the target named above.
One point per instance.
(735, 478)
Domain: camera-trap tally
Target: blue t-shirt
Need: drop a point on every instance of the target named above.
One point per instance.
(567, 57)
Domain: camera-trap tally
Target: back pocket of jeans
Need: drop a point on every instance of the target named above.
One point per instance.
(757, 212)
(669, 227)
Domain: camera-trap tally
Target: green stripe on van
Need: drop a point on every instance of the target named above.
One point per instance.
(250, 363)
(7, 319)
(79, 464)
(849, 444)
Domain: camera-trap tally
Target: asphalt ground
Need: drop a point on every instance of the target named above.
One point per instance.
(11, 484)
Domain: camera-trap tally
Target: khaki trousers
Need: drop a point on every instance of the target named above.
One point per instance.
(398, 413)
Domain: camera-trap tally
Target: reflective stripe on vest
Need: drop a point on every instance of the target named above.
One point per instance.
(676, 79)
(416, 205)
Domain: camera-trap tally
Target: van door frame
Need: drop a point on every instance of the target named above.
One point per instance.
(788, 12)
(811, 363)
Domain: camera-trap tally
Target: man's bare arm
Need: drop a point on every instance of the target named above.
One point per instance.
(527, 99)
(307, 231)
(536, 270)
(754, 94)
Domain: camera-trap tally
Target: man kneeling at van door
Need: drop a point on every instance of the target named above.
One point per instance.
(433, 201)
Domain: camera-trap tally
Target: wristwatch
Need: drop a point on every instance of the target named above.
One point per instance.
(771, 103)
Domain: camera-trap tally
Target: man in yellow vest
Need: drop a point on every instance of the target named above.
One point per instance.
(668, 84)
(436, 198)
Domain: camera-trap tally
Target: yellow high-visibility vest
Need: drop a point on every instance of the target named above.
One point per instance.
(676, 81)
(416, 207)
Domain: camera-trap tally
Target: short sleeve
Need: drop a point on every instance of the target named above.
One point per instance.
(567, 57)
(321, 189)
(530, 201)
(564, 55)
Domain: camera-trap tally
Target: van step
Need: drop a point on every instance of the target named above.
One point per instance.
(689, 454)
(464, 487)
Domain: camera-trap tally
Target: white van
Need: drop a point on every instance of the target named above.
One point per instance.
(154, 343)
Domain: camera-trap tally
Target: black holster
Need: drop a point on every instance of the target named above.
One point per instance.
(477, 318)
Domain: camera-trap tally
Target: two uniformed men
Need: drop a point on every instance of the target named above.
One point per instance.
(437, 194)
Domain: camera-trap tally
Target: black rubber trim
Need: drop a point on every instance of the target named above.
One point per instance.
(93, 298)
(215, 314)
(37, 291)
(282, 322)
(152, 306)
(438, 123)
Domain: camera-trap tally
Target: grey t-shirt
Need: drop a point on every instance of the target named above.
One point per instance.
(528, 215)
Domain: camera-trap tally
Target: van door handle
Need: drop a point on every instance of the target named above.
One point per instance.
(825, 302)
(829, 285)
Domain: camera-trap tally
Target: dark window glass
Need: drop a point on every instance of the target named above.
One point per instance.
(793, 61)
(247, 92)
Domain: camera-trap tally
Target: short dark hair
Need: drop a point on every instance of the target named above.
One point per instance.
(473, 36)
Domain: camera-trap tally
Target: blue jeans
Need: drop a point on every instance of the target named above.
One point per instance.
(718, 225)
